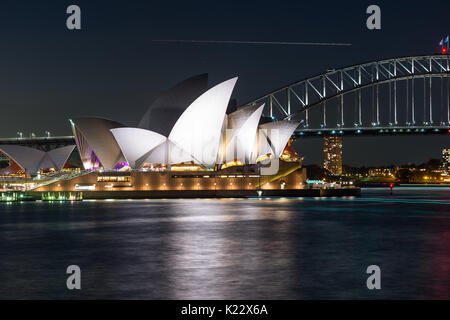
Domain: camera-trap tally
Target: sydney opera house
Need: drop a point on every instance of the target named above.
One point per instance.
(188, 140)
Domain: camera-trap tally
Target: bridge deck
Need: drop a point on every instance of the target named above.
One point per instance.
(41, 143)
(379, 131)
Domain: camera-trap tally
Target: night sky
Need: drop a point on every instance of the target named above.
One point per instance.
(113, 68)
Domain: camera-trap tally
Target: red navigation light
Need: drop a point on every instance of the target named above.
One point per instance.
(391, 185)
(448, 130)
(444, 50)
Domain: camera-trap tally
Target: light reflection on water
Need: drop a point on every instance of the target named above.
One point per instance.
(230, 248)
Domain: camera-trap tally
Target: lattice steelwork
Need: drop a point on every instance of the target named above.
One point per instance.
(409, 93)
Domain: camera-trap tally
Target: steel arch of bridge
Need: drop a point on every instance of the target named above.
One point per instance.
(297, 99)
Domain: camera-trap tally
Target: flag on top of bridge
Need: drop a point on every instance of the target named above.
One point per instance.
(446, 40)
(441, 43)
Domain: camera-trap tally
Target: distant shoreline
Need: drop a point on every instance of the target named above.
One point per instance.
(406, 185)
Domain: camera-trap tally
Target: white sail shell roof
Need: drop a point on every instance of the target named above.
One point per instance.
(97, 133)
(135, 143)
(46, 162)
(32, 160)
(273, 136)
(60, 156)
(27, 158)
(167, 153)
(240, 135)
(164, 112)
(199, 128)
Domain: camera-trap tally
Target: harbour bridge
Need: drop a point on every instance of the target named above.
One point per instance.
(408, 95)
(46, 143)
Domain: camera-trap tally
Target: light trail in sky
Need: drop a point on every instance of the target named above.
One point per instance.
(258, 42)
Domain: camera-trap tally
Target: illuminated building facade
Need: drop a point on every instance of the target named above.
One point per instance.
(446, 160)
(332, 154)
(201, 148)
(289, 176)
(203, 137)
(380, 172)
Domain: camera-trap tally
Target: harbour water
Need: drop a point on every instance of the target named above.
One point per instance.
(310, 248)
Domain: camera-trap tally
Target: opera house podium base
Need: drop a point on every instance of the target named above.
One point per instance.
(288, 181)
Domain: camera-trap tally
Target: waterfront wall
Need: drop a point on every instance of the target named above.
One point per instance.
(171, 194)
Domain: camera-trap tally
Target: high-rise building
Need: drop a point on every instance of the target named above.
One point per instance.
(446, 160)
(332, 154)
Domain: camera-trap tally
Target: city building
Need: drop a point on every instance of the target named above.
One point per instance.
(446, 161)
(380, 172)
(332, 154)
